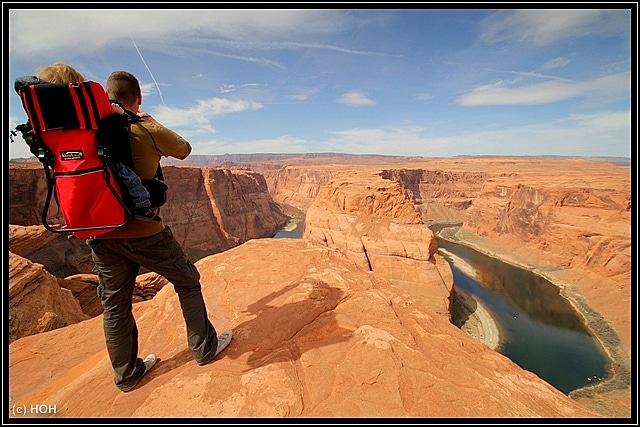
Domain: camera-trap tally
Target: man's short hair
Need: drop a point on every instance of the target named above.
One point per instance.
(123, 87)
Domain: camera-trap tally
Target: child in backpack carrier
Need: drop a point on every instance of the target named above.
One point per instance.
(63, 73)
(138, 192)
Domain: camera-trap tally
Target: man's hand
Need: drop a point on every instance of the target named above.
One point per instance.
(142, 113)
(117, 108)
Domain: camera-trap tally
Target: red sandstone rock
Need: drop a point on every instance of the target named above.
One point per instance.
(208, 210)
(597, 273)
(314, 336)
(36, 301)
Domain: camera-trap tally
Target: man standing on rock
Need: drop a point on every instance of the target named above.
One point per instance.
(119, 254)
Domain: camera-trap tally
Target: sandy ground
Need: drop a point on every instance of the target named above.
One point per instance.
(480, 324)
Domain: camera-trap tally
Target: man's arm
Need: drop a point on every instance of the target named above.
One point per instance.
(168, 142)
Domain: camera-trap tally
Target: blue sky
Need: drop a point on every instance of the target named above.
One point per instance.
(411, 82)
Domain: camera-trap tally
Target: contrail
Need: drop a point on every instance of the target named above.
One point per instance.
(150, 73)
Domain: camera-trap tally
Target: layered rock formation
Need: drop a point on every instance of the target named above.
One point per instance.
(37, 302)
(439, 195)
(315, 336)
(297, 187)
(211, 210)
(208, 210)
(375, 216)
(568, 220)
(373, 223)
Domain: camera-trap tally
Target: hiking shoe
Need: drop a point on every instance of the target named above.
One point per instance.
(149, 362)
(146, 214)
(223, 342)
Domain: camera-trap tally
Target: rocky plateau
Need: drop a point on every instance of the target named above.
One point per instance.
(351, 320)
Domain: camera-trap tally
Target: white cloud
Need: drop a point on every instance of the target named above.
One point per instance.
(282, 144)
(197, 119)
(603, 122)
(423, 97)
(575, 135)
(558, 62)
(36, 32)
(303, 94)
(355, 98)
(148, 88)
(501, 94)
(541, 27)
(531, 74)
(602, 90)
(388, 141)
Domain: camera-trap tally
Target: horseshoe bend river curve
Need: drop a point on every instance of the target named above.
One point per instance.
(538, 328)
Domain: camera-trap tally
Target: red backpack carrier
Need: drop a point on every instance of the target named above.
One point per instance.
(64, 131)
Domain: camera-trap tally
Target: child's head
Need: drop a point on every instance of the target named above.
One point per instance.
(60, 73)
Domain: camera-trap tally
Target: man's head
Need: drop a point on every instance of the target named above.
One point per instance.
(60, 72)
(124, 87)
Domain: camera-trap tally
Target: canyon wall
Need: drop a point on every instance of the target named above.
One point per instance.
(557, 223)
(568, 220)
(376, 217)
(296, 186)
(440, 196)
(209, 211)
(373, 223)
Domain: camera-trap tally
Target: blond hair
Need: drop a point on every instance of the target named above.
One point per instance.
(60, 72)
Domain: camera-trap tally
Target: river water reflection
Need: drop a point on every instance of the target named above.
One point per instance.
(539, 329)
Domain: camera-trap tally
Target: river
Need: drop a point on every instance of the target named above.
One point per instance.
(538, 329)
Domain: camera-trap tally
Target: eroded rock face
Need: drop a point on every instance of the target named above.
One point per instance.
(314, 336)
(372, 221)
(36, 301)
(565, 224)
(296, 186)
(574, 227)
(393, 245)
(27, 192)
(61, 254)
(439, 195)
(84, 288)
(211, 210)
(24, 240)
(208, 210)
